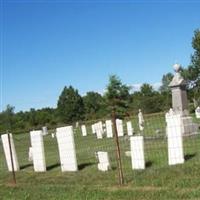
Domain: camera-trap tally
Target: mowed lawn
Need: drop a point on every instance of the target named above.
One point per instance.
(157, 181)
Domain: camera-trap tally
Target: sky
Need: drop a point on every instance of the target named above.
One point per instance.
(46, 45)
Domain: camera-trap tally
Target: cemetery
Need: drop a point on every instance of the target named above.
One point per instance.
(99, 100)
(148, 143)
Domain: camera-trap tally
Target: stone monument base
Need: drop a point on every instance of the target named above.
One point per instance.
(182, 122)
(188, 127)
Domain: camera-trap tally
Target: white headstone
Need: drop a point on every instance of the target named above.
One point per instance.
(7, 152)
(197, 112)
(109, 129)
(44, 130)
(104, 163)
(137, 152)
(37, 145)
(174, 138)
(120, 130)
(84, 131)
(66, 146)
(30, 154)
(141, 120)
(93, 129)
(129, 128)
(99, 130)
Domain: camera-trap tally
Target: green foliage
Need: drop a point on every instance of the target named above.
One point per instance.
(117, 96)
(147, 99)
(94, 105)
(166, 79)
(192, 73)
(70, 105)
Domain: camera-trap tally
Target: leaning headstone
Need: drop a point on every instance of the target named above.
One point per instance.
(109, 129)
(120, 130)
(44, 130)
(66, 146)
(137, 152)
(197, 112)
(83, 130)
(104, 163)
(7, 152)
(140, 120)
(174, 138)
(37, 145)
(129, 128)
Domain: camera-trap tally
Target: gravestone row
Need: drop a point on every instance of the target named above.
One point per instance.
(67, 151)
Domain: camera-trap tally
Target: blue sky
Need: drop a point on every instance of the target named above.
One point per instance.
(46, 45)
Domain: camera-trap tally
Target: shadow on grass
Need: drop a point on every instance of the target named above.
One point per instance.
(25, 166)
(84, 165)
(189, 156)
(53, 166)
(148, 164)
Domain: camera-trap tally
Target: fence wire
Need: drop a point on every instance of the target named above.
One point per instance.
(156, 154)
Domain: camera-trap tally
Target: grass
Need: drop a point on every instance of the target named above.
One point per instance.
(157, 181)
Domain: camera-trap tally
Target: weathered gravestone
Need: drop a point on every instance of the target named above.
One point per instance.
(7, 152)
(37, 145)
(83, 130)
(137, 152)
(120, 130)
(104, 163)
(140, 120)
(109, 129)
(174, 138)
(66, 146)
(197, 112)
(99, 130)
(130, 129)
(44, 130)
(180, 103)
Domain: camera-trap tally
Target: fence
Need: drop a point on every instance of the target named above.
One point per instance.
(156, 154)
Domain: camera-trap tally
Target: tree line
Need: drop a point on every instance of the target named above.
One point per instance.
(72, 107)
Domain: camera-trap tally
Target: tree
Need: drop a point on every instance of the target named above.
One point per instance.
(93, 105)
(7, 118)
(70, 105)
(117, 96)
(146, 90)
(166, 79)
(192, 73)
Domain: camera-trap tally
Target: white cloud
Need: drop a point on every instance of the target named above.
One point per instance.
(136, 87)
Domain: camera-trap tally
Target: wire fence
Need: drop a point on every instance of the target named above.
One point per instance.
(153, 146)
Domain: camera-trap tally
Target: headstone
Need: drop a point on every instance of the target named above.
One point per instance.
(109, 129)
(66, 146)
(197, 112)
(180, 102)
(137, 152)
(84, 131)
(30, 154)
(104, 163)
(99, 130)
(120, 130)
(7, 152)
(93, 129)
(129, 128)
(37, 145)
(44, 130)
(140, 120)
(174, 138)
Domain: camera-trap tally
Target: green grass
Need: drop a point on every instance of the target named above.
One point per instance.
(157, 181)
